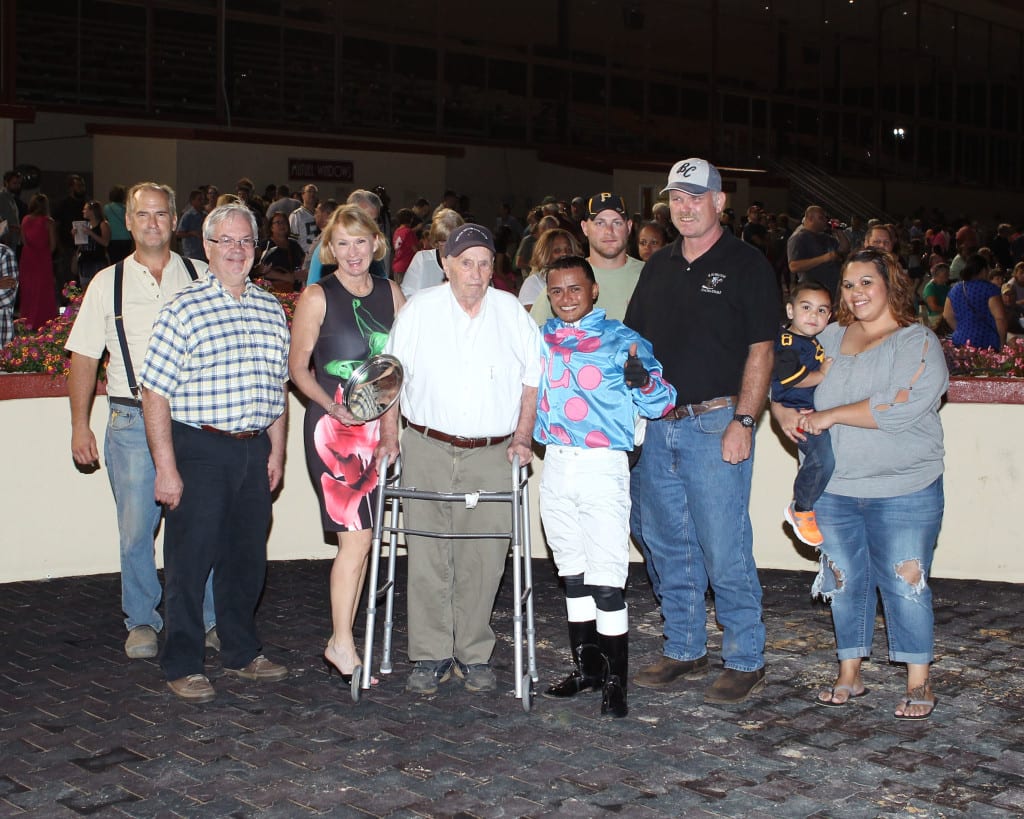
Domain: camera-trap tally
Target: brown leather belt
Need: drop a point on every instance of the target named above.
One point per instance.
(241, 436)
(693, 410)
(458, 440)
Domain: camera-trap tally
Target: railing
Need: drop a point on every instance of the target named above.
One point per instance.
(810, 185)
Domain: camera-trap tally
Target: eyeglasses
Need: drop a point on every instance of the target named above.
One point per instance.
(248, 243)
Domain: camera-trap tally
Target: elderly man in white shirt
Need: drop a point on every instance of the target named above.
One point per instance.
(472, 364)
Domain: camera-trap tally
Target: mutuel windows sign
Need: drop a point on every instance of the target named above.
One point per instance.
(321, 170)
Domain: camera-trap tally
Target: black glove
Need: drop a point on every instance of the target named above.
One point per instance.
(635, 372)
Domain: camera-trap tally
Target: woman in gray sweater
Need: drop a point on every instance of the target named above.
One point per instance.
(881, 511)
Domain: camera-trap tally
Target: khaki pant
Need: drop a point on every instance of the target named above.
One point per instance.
(453, 583)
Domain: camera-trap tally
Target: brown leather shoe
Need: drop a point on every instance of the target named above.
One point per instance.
(260, 670)
(193, 688)
(734, 686)
(667, 670)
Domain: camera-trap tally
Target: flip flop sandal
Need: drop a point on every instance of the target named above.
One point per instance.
(908, 701)
(831, 694)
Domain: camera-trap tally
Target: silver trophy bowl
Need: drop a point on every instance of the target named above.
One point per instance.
(374, 387)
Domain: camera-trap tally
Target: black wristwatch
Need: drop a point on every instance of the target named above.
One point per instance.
(745, 420)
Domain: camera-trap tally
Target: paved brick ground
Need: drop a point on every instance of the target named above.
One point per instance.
(85, 731)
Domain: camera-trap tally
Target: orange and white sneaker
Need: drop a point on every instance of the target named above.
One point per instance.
(805, 525)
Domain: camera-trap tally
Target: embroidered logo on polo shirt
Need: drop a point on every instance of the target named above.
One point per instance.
(713, 284)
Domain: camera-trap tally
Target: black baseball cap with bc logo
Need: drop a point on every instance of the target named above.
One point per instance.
(606, 201)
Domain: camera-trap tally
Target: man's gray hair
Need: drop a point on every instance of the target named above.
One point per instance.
(152, 187)
(365, 197)
(220, 214)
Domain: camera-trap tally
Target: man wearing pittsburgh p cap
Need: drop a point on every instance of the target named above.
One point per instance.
(708, 305)
(607, 227)
(472, 365)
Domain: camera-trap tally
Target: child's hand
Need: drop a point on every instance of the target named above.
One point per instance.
(635, 372)
(825, 366)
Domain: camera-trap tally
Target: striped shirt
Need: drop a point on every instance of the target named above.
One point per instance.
(219, 361)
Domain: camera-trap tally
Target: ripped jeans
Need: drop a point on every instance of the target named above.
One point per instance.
(882, 544)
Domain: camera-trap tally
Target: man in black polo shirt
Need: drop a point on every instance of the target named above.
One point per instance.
(708, 304)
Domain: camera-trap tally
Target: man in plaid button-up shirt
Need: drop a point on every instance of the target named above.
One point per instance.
(214, 403)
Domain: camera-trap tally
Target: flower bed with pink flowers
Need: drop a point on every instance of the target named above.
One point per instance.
(42, 351)
(969, 361)
(976, 376)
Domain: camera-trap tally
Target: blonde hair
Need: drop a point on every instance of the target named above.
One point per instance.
(442, 225)
(356, 221)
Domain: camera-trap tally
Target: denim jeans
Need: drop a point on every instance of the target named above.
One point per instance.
(815, 470)
(690, 517)
(867, 542)
(132, 475)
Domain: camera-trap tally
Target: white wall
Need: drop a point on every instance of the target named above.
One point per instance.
(59, 144)
(185, 164)
(57, 522)
(489, 176)
(979, 538)
(405, 175)
(119, 160)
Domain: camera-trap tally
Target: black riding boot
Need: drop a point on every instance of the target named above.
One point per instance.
(586, 656)
(616, 654)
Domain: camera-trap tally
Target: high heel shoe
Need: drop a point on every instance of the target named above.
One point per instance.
(357, 673)
(345, 678)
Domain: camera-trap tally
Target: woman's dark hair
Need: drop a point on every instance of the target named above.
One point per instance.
(657, 227)
(975, 265)
(118, 193)
(898, 286)
(96, 208)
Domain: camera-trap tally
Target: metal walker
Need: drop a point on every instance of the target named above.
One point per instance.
(391, 493)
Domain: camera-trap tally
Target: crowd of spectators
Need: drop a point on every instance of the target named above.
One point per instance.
(932, 249)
